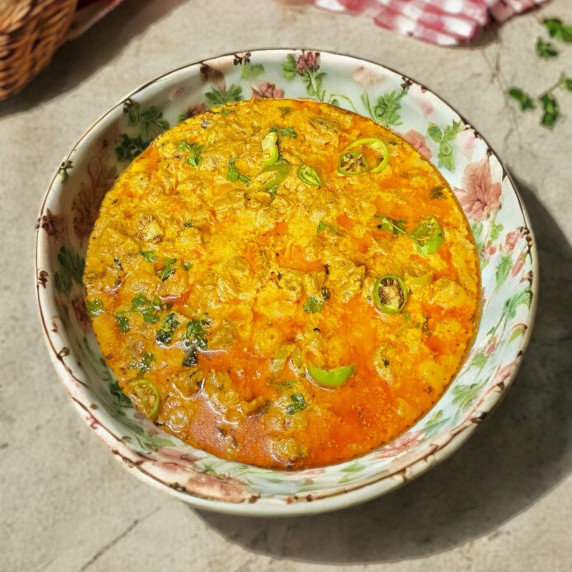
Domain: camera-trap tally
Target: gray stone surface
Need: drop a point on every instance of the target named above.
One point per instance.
(502, 503)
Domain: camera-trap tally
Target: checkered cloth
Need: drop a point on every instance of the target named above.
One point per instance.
(443, 22)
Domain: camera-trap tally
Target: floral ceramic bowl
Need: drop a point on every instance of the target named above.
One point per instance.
(487, 195)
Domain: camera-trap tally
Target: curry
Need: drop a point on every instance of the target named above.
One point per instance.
(282, 283)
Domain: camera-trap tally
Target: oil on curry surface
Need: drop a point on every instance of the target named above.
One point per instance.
(282, 283)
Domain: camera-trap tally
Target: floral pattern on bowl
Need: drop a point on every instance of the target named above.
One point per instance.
(482, 186)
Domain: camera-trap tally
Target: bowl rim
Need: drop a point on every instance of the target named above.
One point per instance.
(341, 498)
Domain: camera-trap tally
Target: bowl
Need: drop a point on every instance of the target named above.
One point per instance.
(485, 191)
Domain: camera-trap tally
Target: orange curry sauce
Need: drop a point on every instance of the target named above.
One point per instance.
(233, 292)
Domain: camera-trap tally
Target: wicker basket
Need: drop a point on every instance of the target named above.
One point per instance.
(30, 32)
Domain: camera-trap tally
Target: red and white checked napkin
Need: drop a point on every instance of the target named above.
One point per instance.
(443, 22)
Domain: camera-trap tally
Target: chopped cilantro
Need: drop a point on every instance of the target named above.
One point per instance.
(122, 323)
(313, 305)
(395, 226)
(148, 255)
(194, 149)
(147, 308)
(94, 307)
(297, 403)
(164, 334)
(233, 174)
(194, 340)
(167, 269)
(284, 131)
(325, 226)
(545, 50)
(146, 362)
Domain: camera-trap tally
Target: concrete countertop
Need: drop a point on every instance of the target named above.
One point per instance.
(502, 503)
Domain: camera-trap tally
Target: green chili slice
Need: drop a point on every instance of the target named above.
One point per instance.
(352, 163)
(272, 175)
(270, 148)
(356, 158)
(428, 235)
(309, 176)
(145, 396)
(331, 377)
(390, 294)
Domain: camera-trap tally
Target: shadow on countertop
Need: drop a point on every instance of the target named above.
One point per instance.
(521, 452)
(77, 60)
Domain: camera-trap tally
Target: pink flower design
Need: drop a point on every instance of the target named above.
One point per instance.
(177, 457)
(182, 470)
(308, 62)
(519, 263)
(425, 104)
(268, 90)
(479, 197)
(511, 239)
(466, 142)
(489, 249)
(196, 109)
(491, 347)
(366, 77)
(417, 140)
(400, 445)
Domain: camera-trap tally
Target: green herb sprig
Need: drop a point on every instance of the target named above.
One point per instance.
(233, 174)
(547, 100)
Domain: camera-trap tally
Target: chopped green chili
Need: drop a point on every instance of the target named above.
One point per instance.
(270, 148)
(352, 160)
(308, 175)
(428, 235)
(390, 294)
(273, 175)
(331, 377)
(145, 396)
